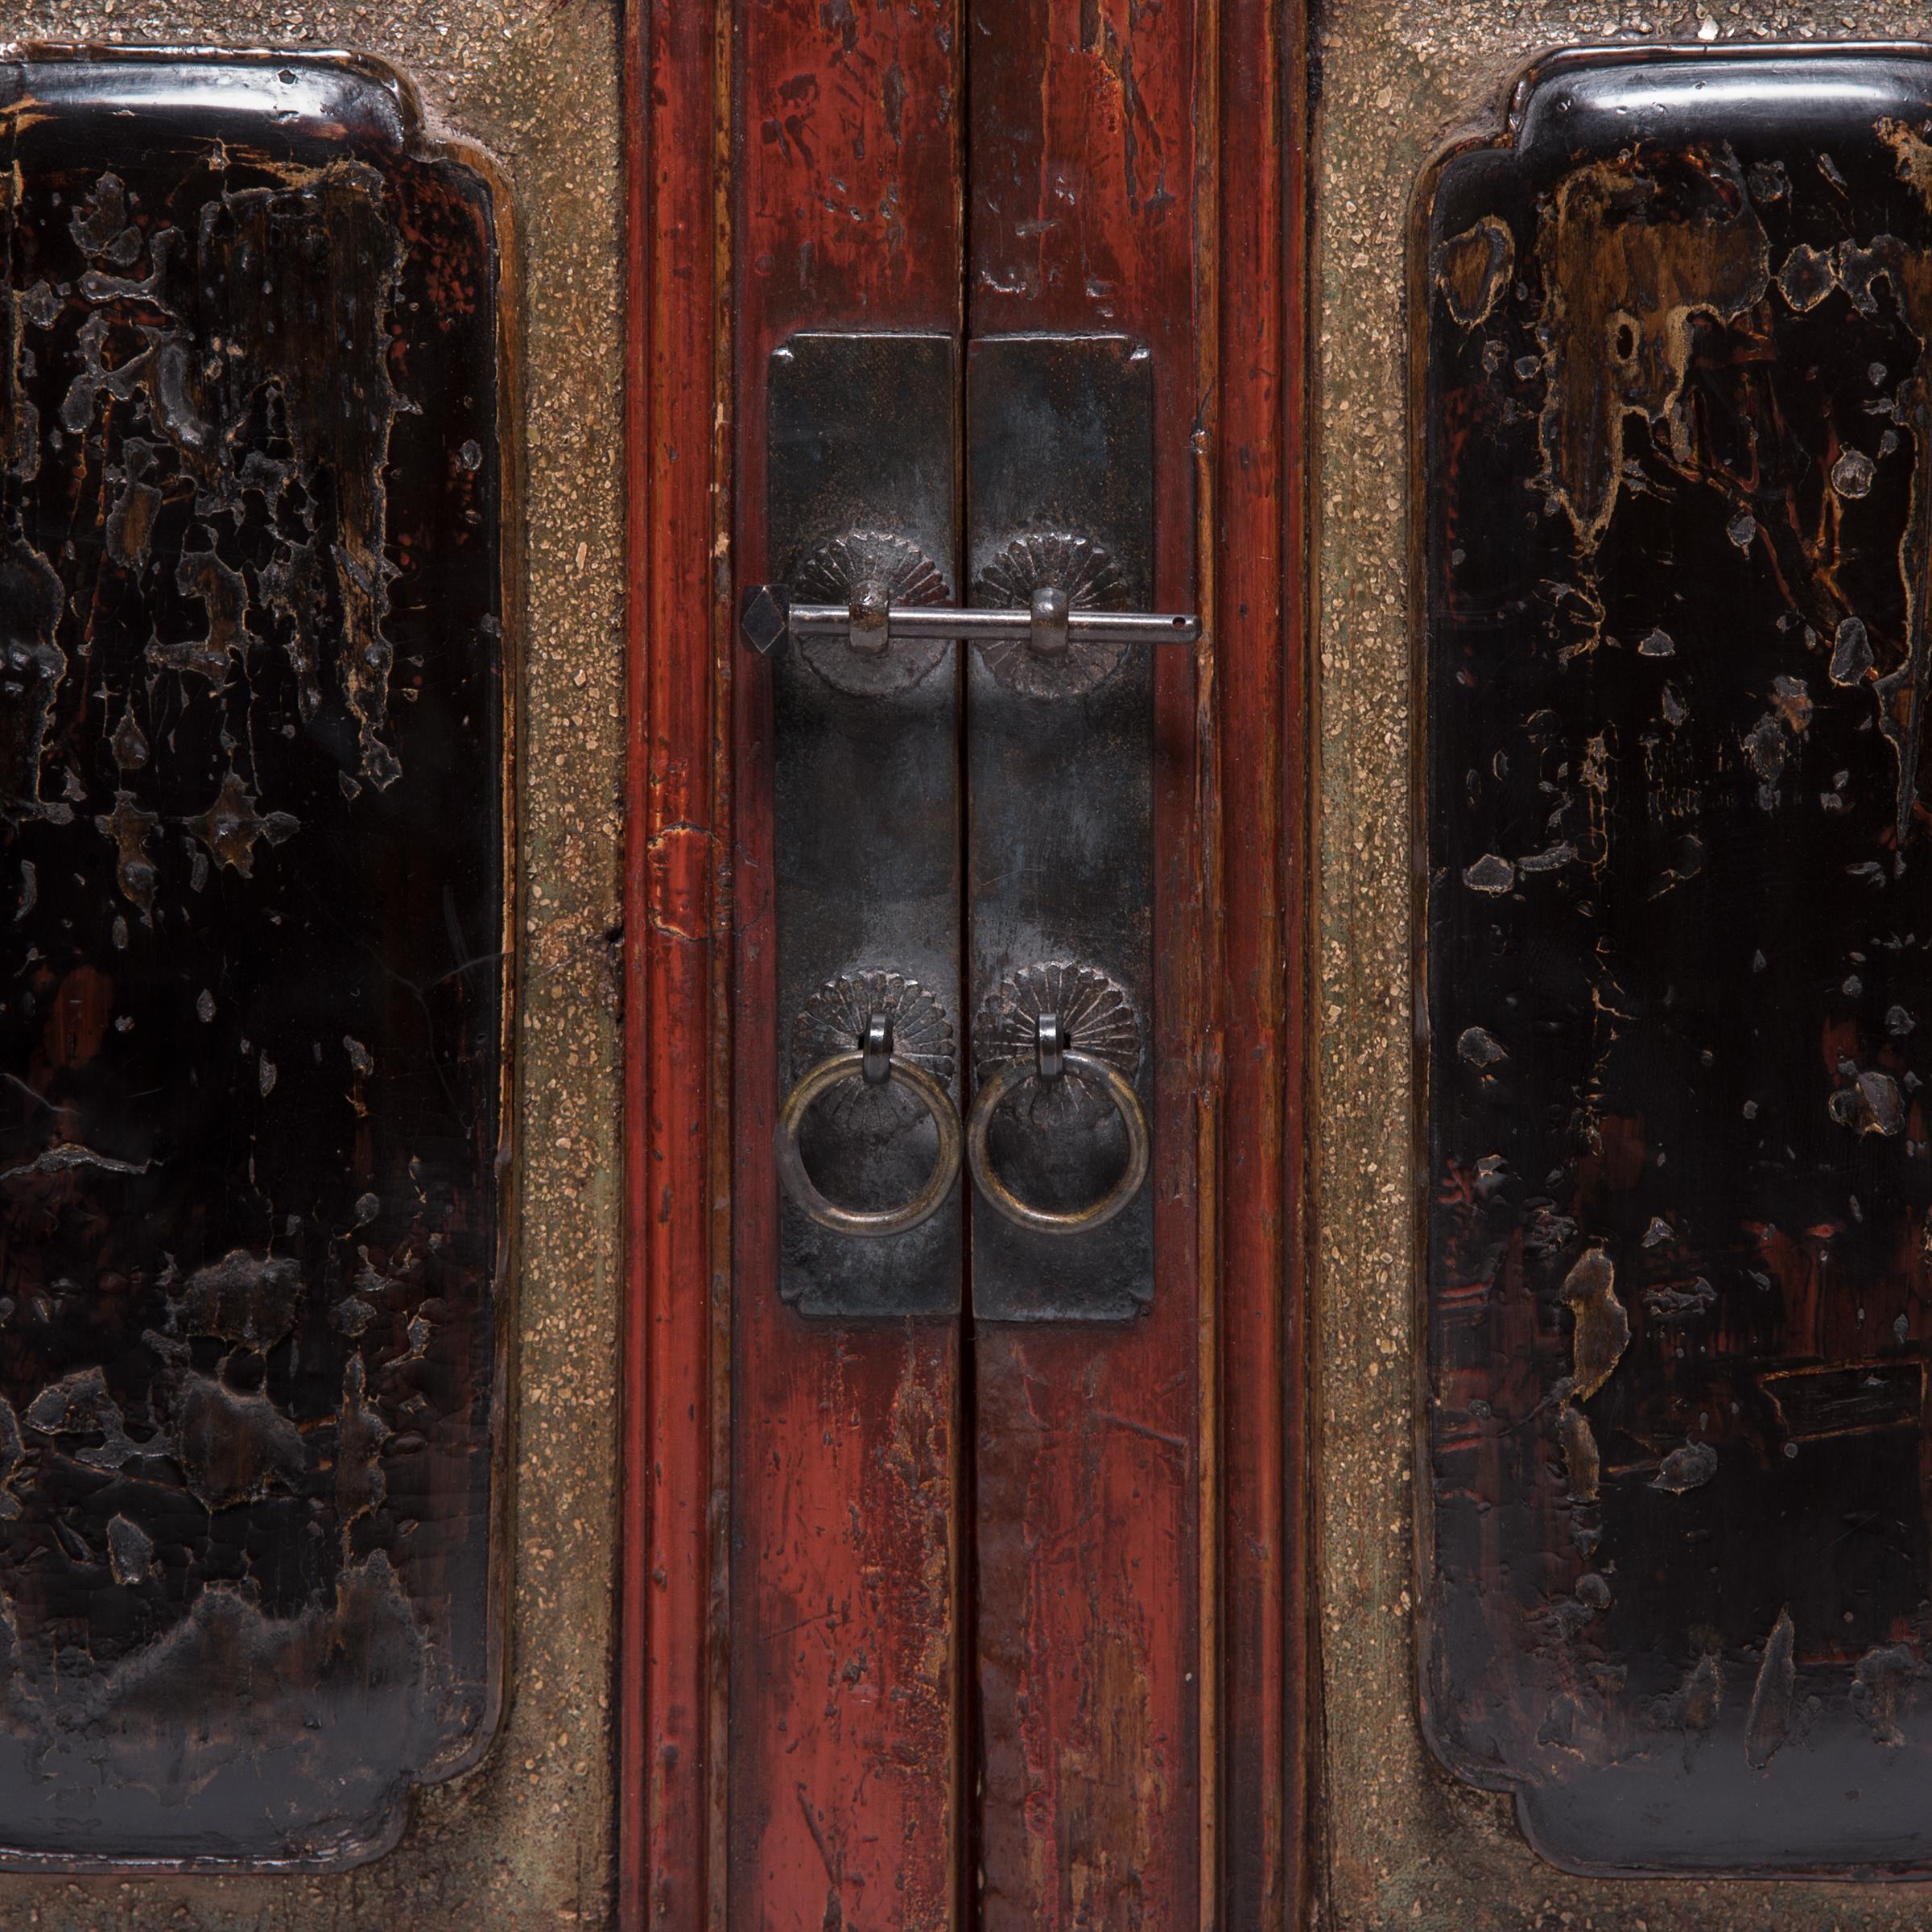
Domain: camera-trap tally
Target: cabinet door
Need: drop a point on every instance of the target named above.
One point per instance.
(997, 613)
(311, 735)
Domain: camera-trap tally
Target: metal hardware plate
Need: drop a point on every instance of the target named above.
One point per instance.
(1060, 764)
(863, 488)
(1678, 465)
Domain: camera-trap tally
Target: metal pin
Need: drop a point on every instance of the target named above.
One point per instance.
(1049, 1043)
(1047, 637)
(868, 620)
(877, 1049)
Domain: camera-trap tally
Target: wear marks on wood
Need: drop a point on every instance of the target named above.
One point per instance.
(853, 1652)
(858, 102)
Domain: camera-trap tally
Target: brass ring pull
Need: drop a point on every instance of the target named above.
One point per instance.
(869, 1063)
(1045, 1220)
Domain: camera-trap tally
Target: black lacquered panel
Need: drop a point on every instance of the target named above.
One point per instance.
(1675, 403)
(254, 989)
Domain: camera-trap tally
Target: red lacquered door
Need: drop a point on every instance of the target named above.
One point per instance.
(962, 1582)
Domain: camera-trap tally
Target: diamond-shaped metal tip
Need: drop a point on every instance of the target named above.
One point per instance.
(765, 616)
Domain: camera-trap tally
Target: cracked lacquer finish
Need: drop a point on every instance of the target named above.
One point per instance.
(251, 828)
(1679, 447)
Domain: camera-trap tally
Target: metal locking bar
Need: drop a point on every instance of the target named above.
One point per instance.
(1049, 627)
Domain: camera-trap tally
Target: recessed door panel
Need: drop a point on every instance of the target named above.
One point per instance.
(253, 1034)
(1678, 464)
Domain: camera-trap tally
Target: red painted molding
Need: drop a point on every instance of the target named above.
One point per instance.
(1264, 743)
(671, 953)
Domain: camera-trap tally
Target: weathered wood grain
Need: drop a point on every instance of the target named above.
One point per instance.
(846, 1680)
(1082, 171)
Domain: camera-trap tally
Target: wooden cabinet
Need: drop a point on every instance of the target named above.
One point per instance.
(965, 966)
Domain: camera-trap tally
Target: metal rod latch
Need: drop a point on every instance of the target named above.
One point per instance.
(767, 616)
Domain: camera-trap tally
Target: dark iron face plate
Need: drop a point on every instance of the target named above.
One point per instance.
(1676, 398)
(1060, 791)
(863, 488)
(253, 1012)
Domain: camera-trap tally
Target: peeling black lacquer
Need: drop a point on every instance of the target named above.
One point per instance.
(252, 1015)
(1674, 386)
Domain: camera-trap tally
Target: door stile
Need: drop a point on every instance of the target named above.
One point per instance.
(1290, 1380)
(1257, 632)
(845, 1801)
(1082, 176)
(677, 1196)
(1212, 1099)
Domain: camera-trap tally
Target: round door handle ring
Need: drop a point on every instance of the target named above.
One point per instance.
(819, 1079)
(1046, 1220)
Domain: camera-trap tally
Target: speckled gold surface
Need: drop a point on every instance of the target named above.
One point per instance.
(525, 1839)
(1401, 1844)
